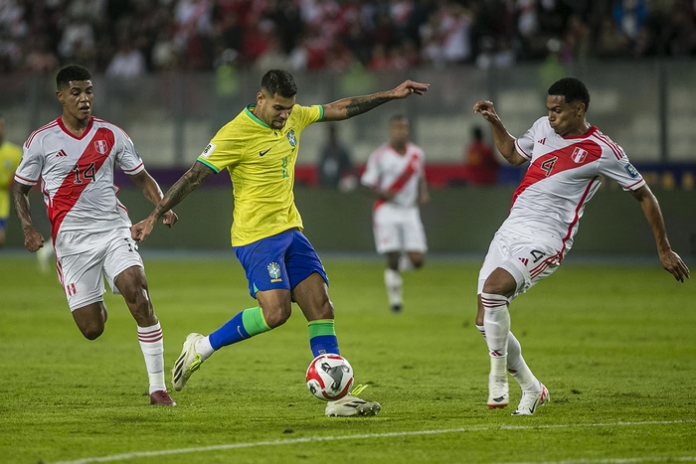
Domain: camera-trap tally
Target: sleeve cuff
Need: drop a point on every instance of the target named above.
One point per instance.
(207, 163)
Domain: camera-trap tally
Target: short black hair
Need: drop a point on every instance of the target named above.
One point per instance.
(72, 72)
(277, 81)
(478, 133)
(572, 89)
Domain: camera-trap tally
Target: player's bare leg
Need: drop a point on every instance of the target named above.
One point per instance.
(132, 284)
(90, 319)
(312, 296)
(393, 281)
(416, 258)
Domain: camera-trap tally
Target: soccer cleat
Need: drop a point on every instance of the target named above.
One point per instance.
(161, 398)
(351, 405)
(530, 400)
(189, 362)
(498, 397)
(396, 308)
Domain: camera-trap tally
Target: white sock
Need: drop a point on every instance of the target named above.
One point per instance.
(496, 323)
(394, 283)
(405, 263)
(204, 348)
(518, 368)
(152, 347)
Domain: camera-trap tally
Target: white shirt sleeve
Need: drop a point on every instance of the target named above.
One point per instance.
(525, 144)
(127, 157)
(615, 165)
(370, 177)
(29, 170)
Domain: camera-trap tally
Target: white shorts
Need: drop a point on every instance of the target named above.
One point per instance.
(81, 273)
(528, 259)
(398, 229)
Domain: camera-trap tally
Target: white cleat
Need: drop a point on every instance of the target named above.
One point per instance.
(498, 393)
(188, 362)
(351, 405)
(531, 399)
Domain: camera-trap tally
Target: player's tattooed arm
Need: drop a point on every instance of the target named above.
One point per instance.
(33, 240)
(353, 106)
(151, 190)
(189, 182)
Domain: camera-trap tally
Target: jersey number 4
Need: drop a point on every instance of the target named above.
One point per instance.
(547, 165)
(84, 174)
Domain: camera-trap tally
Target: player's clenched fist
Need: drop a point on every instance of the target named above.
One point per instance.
(142, 230)
(170, 218)
(33, 240)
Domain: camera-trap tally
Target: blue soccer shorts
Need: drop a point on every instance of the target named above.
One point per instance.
(280, 261)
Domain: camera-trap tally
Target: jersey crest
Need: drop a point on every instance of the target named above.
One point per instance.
(291, 138)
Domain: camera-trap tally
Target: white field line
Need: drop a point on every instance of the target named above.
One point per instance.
(617, 460)
(294, 441)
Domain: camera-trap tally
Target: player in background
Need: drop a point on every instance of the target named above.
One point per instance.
(395, 175)
(567, 159)
(10, 154)
(259, 149)
(74, 156)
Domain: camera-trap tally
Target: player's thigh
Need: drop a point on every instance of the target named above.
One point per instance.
(527, 259)
(264, 263)
(80, 274)
(301, 261)
(387, 236)
(413, 233)
(123, 266)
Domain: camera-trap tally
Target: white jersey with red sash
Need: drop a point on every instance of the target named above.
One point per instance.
(563, 175)
(388, 170)
(77, 176)
(396, 223)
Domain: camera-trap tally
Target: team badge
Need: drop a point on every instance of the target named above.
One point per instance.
(291, 138)
(101, 146)
(579, 155)
(209, 150)
(274, 272)
(633, 172)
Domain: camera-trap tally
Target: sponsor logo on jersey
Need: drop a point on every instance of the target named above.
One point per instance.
(579, 155)
(261, 153)
(274, 272)
(291, 138)
(633, 172)
(61, 154)
(209, 150)
(101, 146)
(542, 141)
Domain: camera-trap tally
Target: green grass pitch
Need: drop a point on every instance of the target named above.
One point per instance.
(616, 347)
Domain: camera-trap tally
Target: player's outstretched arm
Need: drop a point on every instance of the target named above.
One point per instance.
(353, 106)
(189, 182)
(503, 140)
(33, 240)
(669, 259)
(151, 190)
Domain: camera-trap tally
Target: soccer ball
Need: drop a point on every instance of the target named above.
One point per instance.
(329, 377)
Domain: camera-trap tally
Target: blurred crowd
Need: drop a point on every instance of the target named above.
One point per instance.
(126, 38)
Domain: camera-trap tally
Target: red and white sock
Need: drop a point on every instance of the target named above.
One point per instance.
(152, 346)
(496, 323)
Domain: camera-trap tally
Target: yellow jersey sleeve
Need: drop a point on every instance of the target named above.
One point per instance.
(307, 115)
(225, 150)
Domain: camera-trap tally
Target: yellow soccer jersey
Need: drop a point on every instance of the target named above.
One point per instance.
(261, 162)
(10, 155)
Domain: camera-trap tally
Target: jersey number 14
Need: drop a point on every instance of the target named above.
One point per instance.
(81, 175)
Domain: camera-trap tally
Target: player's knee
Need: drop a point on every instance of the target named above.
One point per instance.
(497, 287)
(277, 316)
(92, 332)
